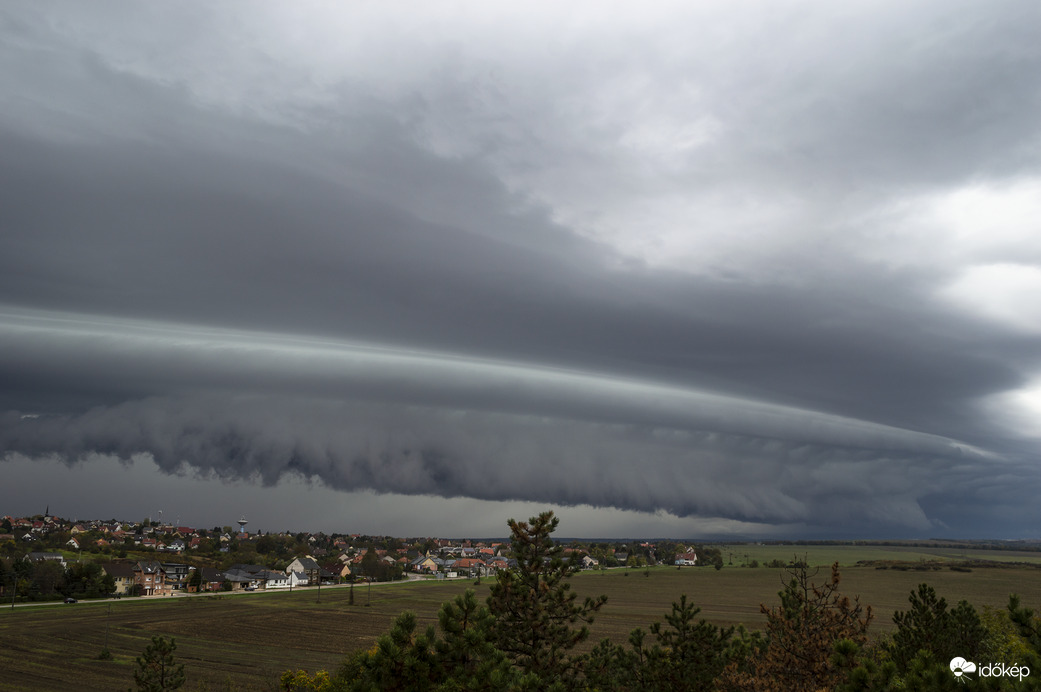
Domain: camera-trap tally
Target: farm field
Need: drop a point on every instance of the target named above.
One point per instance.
(243, 642)
(849, 555)
(731, 596)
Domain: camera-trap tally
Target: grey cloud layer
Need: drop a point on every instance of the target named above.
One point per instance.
(673, 260)
(416, 450)
(419, 423)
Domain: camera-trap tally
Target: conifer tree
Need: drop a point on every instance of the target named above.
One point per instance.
(538, 618)
(931, 626)
(802, 633)
(467, 657)
(689, 654)
(156, 669)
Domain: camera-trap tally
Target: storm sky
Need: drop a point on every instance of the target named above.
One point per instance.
(753, 269)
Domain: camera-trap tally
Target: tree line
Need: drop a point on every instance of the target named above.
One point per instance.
(47, 580)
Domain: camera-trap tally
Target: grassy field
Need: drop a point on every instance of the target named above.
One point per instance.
(243, 642)
(850, 555)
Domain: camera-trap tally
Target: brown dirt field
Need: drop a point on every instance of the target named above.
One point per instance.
(244, 642)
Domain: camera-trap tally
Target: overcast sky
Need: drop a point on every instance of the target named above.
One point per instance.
(750, 269)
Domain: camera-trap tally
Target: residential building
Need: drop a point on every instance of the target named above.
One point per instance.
(122, 574)
(41, 557)
(176, 575)
(308, 566)
(150, 578)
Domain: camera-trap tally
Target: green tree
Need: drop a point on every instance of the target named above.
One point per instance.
(267, 545)
(689, 654)
(88, 579)
(300, 681)
(460, 656)
(1028, 625)
(157, 670)
(402, 659)
(931, 626)
(536, 612)
(48, 578)
(465, 651)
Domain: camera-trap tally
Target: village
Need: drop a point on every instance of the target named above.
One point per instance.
(46, 557)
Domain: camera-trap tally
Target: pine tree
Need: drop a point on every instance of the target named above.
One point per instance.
(802, 633)
(157, 671)
(689, 654)
(465, 653)
(930, 625)
(535, 609)
(461, 659)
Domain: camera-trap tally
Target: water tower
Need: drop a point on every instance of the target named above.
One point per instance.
(242, 524)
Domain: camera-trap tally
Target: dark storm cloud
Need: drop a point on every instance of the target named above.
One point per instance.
(390, 420)
(412, 450)
(628, 269)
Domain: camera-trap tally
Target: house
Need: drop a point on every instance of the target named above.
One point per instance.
(150, 578)
(308, 566)
(41, 557)
(249, 569)
(589, 563)
(273, 579)
(212, 579)
(122, 574)
(423, 564)
(73, 543)
(339, 570)
(686, 559)
(468, 567)
(297, 578)
(176, 575)
(240, 580)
